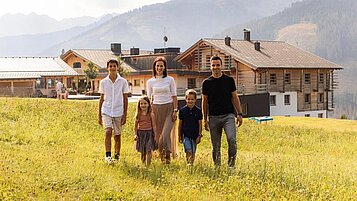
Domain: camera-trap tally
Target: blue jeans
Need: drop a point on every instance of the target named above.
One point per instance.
(189, 144)
(216, 124)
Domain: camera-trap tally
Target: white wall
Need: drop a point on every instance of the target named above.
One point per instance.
(280, 109)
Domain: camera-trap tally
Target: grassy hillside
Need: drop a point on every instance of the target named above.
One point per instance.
(54, 150)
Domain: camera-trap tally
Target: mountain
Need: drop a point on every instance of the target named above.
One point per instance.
(20, 24)
(327, 28)
(183, 21)
(35, 44)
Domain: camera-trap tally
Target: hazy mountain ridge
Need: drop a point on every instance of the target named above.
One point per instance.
(183, 21)
(35, 44)
(21, 24)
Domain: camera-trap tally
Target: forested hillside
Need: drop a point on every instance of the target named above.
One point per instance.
(327, 28)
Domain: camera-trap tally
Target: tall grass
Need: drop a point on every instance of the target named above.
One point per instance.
(54, 150)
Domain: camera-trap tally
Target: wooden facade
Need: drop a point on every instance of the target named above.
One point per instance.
(276, 68)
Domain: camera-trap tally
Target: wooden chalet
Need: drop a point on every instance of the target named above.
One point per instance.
(137, 64)
(296, 82)
(33, 76)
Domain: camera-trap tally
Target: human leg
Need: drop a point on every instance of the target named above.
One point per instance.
(148, 158)
(230, 130)
(215, 127)
(117, 127)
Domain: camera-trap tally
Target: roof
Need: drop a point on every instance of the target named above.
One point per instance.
(33, 67)
(100, 56)
(272, 54)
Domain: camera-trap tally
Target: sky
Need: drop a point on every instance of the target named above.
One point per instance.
(59, 9)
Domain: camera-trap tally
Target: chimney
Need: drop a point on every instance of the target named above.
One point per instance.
(115, 48)
(227, 40)
(257, 46)
(246, 34)
(134, 51)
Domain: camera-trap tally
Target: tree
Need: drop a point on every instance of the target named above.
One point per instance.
(122, 72)
(91, 73)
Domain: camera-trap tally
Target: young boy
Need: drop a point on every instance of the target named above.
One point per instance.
(190, 125)
(113, 106)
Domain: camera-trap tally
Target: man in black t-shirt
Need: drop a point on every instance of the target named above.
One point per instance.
(219, 104)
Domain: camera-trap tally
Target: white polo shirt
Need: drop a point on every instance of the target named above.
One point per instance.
(161, 89)
(113, 104)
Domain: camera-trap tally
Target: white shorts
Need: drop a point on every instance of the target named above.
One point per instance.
(113, 123)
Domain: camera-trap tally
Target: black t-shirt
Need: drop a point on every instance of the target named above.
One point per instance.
(219, 92)
(190, 118)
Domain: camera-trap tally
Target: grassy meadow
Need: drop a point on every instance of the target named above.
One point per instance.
(54, 150)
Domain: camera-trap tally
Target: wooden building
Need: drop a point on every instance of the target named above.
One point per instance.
(33, 76)
(136, 62)
(298, 83)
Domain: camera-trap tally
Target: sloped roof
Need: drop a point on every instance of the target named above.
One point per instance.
(100, 57)
(272, 54)
(33, 67)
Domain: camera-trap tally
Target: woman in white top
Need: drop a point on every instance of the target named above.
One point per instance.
(161, 89)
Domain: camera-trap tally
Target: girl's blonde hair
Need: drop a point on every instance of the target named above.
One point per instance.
(138, 109)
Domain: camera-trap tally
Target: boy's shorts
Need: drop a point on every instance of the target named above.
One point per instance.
(189, 144)
(112, 122)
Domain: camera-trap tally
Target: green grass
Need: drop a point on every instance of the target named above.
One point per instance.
(54, 150)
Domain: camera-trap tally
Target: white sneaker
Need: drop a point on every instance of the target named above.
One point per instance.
(108, 160)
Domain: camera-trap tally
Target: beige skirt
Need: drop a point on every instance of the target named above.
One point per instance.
(168, 140)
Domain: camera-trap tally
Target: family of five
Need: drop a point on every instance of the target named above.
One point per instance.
(156, 114)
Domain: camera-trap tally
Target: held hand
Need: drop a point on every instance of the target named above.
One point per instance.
(239, 120)
(206, 126)
(135, 137)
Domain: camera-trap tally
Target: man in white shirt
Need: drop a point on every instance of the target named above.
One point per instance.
(113, 106)
(59, 86)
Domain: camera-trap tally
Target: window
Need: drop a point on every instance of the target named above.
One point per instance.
(307, 78)
(287, 78)
(191, 83)
(272, 100)
(307, 115)
(273, 79)
(321, 97)
(136, 83)
(287, 99)
(77, 65)
(321, 78)
(308, 98)
(320, 115)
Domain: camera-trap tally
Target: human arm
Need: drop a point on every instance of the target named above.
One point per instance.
(237, 107)
(205, 111)
(174, 112)
(179, 131)
(101, 100)
(198, 139)
(125, 101)
(136, 124)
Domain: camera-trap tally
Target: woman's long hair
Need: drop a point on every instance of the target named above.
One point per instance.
(164, 73)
